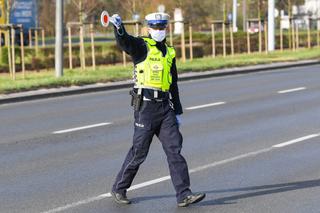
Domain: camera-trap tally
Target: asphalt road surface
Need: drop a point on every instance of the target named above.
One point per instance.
(251, 142)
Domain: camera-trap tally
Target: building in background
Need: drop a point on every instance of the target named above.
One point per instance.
(312, 7)
(178, 18)
(301, 13)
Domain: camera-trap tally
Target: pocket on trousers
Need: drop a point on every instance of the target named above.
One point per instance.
(141, 123)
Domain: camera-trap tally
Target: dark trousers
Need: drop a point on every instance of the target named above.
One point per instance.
(155, 118)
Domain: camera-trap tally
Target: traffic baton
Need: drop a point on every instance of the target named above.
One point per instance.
(105, 18)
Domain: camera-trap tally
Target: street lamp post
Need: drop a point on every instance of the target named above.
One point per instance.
(234, 15)
(271, 34)
(59, 39)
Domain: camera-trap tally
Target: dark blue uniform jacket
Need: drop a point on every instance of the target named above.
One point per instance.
(137, 49)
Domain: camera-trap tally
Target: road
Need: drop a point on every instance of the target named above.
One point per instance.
(251, 142)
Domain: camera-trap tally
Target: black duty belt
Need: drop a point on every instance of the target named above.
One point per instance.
(154, 99)
(150, 94)
(140, 95)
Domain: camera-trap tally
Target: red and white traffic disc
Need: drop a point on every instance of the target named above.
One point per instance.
(105, 19)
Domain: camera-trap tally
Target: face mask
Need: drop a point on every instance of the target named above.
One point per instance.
(158, 35)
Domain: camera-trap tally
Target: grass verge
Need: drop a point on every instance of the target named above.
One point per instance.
(46, 79)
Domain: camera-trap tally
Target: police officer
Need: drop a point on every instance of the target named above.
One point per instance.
(157, 107)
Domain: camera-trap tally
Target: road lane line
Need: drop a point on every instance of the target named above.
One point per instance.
(79, 203)
(280, 145)
(148, 183)
(197, 169)
(291, 90)
(217, 163)
(102, 196)
(205, 105)
(80, 128)
(155, 181)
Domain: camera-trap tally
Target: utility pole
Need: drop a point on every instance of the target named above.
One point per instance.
(80, 11)
(259, 22)
(289, 29)
(224, 28)
(59, 39)
(244, 14)
(271, 35)
(234, 14)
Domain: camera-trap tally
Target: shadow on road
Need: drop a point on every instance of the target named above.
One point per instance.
(259, 191)
(252, 191)
(156, 197)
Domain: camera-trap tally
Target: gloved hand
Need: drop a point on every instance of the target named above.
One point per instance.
(116, 21)
(179, 121)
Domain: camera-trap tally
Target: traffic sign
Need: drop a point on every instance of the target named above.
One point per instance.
(161, 8)
(105, 19)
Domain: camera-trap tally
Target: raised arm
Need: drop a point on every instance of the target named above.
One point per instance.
(133, 46)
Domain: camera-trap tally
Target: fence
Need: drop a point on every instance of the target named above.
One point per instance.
(9, 31)
(220, 32)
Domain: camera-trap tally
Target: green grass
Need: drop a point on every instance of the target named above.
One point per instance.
(208, 63)
(46, 79)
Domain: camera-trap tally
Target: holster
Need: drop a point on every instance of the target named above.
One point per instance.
(136, 100)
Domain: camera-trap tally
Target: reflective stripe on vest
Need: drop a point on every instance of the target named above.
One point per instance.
(154, 71)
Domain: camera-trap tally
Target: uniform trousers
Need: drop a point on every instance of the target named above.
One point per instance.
(155, 118)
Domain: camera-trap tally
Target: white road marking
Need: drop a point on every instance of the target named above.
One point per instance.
(155, 181)
(197, 169)
(217, 163)
(295, 141)
(205, 105)
(102, 196)
(291, 90)
(80, 128)
(148, 183)
(79, 203)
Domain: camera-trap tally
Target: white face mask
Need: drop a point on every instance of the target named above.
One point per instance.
(157, 35)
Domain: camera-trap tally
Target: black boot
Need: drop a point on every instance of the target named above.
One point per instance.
(193, 198)
(119, 198)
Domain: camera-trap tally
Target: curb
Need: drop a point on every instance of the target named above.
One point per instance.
(57, 92)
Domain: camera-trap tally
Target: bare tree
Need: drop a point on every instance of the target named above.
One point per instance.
(46, 15)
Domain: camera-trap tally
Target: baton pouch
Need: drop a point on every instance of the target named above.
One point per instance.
(136, 100)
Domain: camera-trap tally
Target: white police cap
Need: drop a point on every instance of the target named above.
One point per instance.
(157, 19)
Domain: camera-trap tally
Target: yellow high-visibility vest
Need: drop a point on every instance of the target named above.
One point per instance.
(154, 71)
